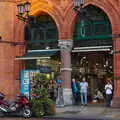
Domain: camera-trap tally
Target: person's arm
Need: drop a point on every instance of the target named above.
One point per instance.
(55, 85)
(87, 84)
(105, 87)
(111, 87)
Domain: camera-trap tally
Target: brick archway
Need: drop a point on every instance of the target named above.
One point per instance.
(37, 8)
(114, 17)
(50, 9)
(107, 7)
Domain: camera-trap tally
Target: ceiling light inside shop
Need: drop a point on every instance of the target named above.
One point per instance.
(47, 47)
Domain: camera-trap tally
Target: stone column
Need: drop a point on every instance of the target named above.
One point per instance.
(65, 70)
(116, 52)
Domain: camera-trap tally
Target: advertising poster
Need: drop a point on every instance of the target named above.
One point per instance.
(27, 80)
(27, 77)
(25, 83)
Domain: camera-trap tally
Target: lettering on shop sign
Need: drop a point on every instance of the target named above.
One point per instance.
(26, 77)
(44, 69)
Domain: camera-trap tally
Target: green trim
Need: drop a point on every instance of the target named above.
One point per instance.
(37, 55)
(93, 37)
(91, 30)
(42, 41)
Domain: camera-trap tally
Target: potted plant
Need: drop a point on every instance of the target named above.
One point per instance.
(41, 104)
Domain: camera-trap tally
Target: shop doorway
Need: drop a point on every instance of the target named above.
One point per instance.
(95, 66)
(91, 54)
(42, 54)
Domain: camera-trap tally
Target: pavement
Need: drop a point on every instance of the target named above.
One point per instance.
(89, 112)
(78, 112)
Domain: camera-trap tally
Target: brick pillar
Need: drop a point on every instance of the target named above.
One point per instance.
(116, 97)
(65, 70)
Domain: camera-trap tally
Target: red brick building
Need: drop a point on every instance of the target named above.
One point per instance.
(65, 19)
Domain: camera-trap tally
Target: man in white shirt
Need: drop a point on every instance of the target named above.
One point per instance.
(83, 91)
(108, 92)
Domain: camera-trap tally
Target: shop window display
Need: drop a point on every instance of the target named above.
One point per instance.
(96, 66)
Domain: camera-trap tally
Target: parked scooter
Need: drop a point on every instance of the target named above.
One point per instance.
(20, 106)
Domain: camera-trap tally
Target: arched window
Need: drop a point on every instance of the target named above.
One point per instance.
(43, 33)
(93, 28)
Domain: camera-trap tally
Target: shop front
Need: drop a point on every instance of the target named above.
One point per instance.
(92, 52)
(88, 54)
(42, 54)
(41, 62)
(96, 66)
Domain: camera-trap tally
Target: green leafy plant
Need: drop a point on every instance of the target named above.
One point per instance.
(41, 104)
(40, 85)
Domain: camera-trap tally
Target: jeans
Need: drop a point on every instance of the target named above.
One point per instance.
(108, 99)
(84, 98)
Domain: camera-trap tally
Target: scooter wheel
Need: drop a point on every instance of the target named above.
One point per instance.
(27, 113)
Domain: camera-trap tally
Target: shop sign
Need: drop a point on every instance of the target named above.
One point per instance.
(44, 69)
(25, 82)
(26, 79)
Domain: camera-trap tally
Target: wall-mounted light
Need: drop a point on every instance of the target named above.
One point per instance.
(23, 11)
(81, 11)
(78, 4)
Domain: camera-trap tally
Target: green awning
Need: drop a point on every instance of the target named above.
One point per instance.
(38, 54)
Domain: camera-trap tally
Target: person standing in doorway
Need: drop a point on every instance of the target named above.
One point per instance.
(108, 92)
(52, 90)
(60, 99)
(83, 91)
(75, 90)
